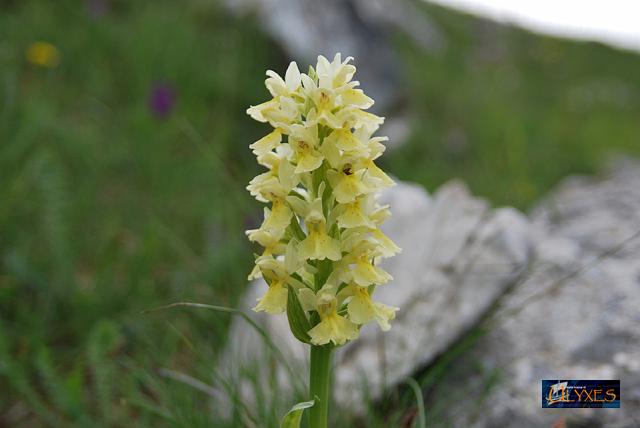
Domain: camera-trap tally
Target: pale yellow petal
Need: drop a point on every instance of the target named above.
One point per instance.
(319, 246)
(357, 98)
(351, 215)
(279, 218)
(320, 334)
(307, 299)
(361, 309)
(344, 139)
(274, 300)
(275, 84)
(386, 247)
(258, 112)
(266, 187)
(384, 314)
(267, 143)
(309, 161)
(364, 273)
(349, 186)
(378, 179)
(292, 77)
(332, 154)
(333, 328)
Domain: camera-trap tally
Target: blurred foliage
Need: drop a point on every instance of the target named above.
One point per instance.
(107, 209)
(511, 112)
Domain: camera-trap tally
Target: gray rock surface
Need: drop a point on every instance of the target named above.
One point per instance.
(459, 255)
(576, 316)
(358, 28)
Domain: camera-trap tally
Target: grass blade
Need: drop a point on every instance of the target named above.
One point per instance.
(263, 334)
(422, 420)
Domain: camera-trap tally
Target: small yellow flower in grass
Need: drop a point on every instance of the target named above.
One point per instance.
(43, 54)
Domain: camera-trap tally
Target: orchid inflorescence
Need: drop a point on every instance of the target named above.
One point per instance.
(321, 237)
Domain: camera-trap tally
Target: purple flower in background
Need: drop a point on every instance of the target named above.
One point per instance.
(162, 99)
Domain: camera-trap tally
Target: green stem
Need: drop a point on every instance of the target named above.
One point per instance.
(319, 378)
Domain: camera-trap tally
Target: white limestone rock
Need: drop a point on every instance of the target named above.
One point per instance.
(577, 316)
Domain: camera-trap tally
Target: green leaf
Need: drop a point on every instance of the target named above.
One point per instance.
(325, 267)
(295, 229)
(294, 416)
(298, 321)
(312, 74)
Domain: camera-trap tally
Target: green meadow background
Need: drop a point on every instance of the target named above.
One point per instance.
(107, 209)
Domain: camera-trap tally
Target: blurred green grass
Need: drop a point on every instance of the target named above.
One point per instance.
(511, 112)
(107, 210)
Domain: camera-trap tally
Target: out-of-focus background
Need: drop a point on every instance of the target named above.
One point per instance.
(124, 156)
